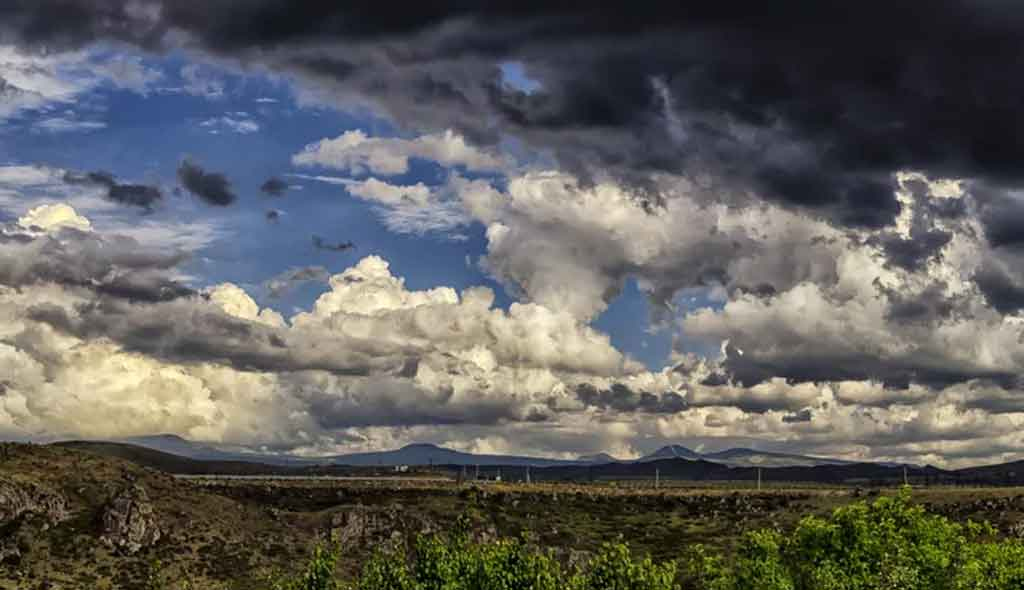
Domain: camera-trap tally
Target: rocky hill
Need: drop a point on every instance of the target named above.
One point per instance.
(71, 518)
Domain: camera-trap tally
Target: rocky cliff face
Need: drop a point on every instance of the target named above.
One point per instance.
(20, 502)
(128, 522)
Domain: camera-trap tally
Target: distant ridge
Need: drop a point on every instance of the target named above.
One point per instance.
(426, 454)
(579, 470)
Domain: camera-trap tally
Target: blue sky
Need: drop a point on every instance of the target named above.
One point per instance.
(145, 135)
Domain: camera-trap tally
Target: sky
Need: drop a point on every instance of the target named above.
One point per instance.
(319, 228)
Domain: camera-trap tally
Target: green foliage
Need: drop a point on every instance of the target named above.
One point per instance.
(890, 544)
(318, 575)
(615, 568)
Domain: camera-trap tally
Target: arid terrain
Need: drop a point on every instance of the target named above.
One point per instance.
(74, 519)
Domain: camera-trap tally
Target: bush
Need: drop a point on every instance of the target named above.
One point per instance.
(318, 574)
(890, 544)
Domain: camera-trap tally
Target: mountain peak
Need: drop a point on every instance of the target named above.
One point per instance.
(423, 447)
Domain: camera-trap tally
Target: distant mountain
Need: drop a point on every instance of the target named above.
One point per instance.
(424, 454)
(740, 458)
(752, 458)
(176, 445)
(428, 454)
(670, 452)
(515, 468)
(1003, 474)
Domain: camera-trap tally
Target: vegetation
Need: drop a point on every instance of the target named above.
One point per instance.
(890, 544)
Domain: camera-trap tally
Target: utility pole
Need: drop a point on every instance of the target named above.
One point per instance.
(657, 477)
(759, 479)
(905, 481)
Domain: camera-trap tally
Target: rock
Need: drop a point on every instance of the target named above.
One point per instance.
(360, 524)
(1017, 530)
(25, 499)
(128, 521)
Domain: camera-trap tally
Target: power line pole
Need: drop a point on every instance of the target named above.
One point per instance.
(657, 477)
(759, 479)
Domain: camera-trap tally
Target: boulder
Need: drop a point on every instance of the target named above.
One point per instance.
(26, 499)
(128, 522)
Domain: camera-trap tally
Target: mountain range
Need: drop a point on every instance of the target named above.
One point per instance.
(670, 463)
(429, 454)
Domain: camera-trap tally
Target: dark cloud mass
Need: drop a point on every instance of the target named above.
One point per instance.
(274, 187)
(138, 195)
(115, 266)
(793, 102)
(212, 188)
(620, 397)
(322, 244)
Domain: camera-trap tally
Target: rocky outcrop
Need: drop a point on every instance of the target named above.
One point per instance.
(24, 506)
(128, 522)
(363, 525)
(20, 499)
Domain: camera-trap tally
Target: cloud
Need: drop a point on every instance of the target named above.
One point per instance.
(321, 244)
(851, 249)
(199, 80)
(356, 153)
(67, 125)
(413, 209)
(613, 99)
(138, 195)
(213, 188)
(274, 186)
(240, 125)
(40, 80)
(282, 283)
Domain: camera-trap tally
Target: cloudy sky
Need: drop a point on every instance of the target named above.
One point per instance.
(328, 227)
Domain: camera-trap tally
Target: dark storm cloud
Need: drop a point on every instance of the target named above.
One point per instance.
(622, 398)
(795, 101)
(930, 305)
(138, 195)
(116, 266)
(322, 244)
(386, 401)
(797, 417)
(1004, 290)
(193, 330)
(820, 363)
(211, 187)
(1002, 215)
(274, 187)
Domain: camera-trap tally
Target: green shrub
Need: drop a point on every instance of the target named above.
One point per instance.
(318, 574)
(615, 568)
(890, 544)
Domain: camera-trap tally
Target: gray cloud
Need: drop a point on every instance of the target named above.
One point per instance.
(322, 244)
(138, 195)
(621, 398)
(274, 186)
(212, 188)
(282, 283)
